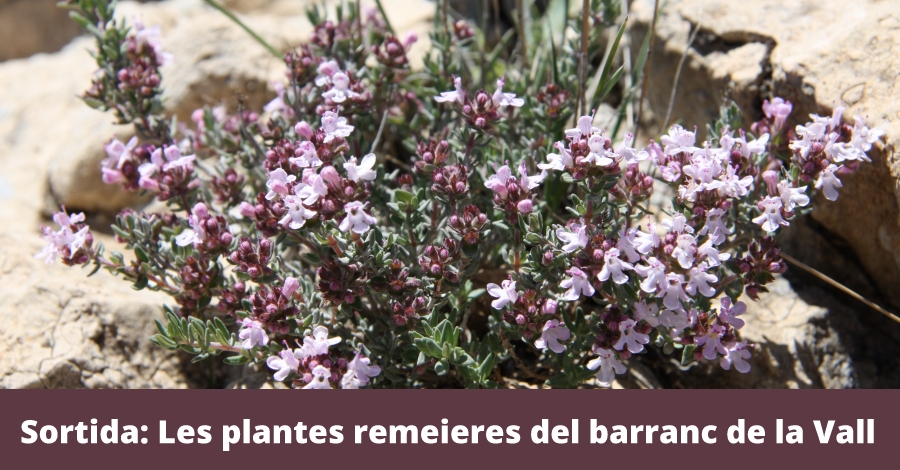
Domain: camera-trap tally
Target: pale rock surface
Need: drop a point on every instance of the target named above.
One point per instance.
(816, 53)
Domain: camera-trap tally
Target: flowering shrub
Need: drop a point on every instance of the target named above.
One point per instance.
(375, 225)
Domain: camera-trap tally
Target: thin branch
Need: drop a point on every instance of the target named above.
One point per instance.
(380, 129)
(646, 71)
(680, 64)
(840, 287)
(246, 28)
(520, 9)
(582, 60)
(387, 22)
(519, 364)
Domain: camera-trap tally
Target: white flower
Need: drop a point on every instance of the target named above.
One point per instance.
(829, 183)
(714, 226)
(497, 181)
(645, 242)
(729, 313)
(673, 294)
(362, 171)
(326, 70)
(356, 219)
(311, 192)
(655, 274)
(676, 319)
(608, 366)
(684, 250)
(737, 354)
(558, 161)
(505, 99)
(340, 90)
(458, 95)
(614, 267)
(711, 253)
(632, 339)
(286, 362)
(757, 146)
(574, 240)
(677, 224)
(551, 335)
(335, 126)
(629, 154)
(699, 279)
(583, 128)
(319, 342)
(505, 293)
(733, 186)
(309, 156)
(527, 183)
(252, 333)
(297, 214)
(792, 197)
(577, 285)
(599, 156)
(647, 313)
(626, 244)
(712, 342)
(278, 183)
(359, 372)
(320, 378)
(771, 218)
(678, 140)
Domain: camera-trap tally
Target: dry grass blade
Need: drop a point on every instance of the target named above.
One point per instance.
(652, 36)
(840, 287)
(687, 48)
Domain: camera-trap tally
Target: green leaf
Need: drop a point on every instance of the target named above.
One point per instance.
(442, 367)
(236, 360)
(687, 356)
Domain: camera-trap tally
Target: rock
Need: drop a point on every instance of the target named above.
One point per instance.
(64, 330)
(31, 26)
(256, 381)
(817, 54)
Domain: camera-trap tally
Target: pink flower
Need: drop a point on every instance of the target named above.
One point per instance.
(297, 214)
(290, 286)
(684, 250)
(458, 95)
(626, 244)
(714, 226)
(285, 362)
(677, 320)
(356, 219)
(647, 313)
(359, 372)
(673, 294)
(505, 99)
(278, 183)
(792, 197)
(778, 110)
(505, 293)
(632, 339)
(157, 164)
(326, 70)
(578, 285)
(117, 154)
(559, 161)
(340, 89)
(646, 242)
(583, 128)
(335, 126)
(699, 281)
(319, 342)
(712, 342)
(614, 267)
(728, 313)
(574, 240)
(829, 183)
(771, 218)
(678, 140)
(252, 333)
(497, 181)
(361, 171)
(551, 335)
(654, 274)
(549, 307)
(709, 252)
(608, 366)
(319, 379)
(737, 354)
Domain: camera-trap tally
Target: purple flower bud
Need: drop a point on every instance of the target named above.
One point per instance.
(549, 307)
(548, 258)
(520, 319)
(290, 286)
(226, 238)
(480, 122)
(771, 179)
(303, 130)
(525, 206)
(247, 210)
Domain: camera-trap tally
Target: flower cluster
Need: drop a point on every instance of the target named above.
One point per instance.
(455, 238)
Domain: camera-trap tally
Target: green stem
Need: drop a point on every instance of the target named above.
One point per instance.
(249, 31)
(384, 14)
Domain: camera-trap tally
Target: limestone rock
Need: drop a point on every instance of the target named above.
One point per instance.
(817, 54)
(64, 330)
(31, 26)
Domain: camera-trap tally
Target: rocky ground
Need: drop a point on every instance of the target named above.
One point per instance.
(65, 330)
